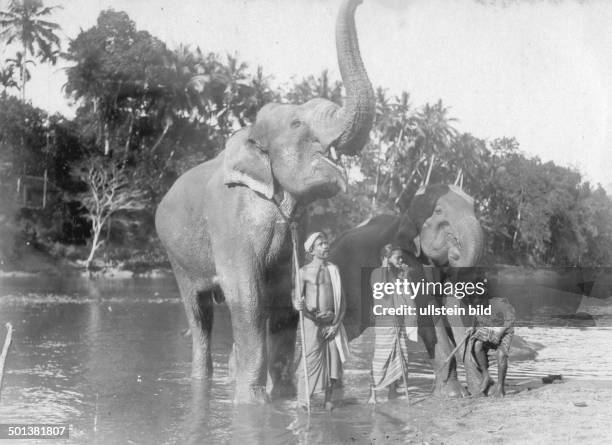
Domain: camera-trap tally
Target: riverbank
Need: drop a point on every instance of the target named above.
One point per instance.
(34, 262)
(570, 412)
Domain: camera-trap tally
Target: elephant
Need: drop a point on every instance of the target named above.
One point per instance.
(441, 230)
(225, 223)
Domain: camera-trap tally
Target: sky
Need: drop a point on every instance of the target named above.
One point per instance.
(540, 71)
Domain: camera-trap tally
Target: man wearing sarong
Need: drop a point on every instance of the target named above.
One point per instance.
(392, 332)
(495, 332)
(325, 339)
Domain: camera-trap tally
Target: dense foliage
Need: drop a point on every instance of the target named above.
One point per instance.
(146, 113)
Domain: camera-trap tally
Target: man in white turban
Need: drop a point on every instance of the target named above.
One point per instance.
(324, 305)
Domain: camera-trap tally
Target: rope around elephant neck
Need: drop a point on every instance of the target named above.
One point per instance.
(286, 207)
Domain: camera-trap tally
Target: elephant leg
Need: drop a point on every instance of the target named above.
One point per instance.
(249, 320)
(282, 328)
(199, 311)
(446, 382)
(472, 373)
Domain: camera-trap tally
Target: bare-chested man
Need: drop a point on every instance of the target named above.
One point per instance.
(324, 306)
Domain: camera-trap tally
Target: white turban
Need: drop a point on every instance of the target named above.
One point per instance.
(311, 240)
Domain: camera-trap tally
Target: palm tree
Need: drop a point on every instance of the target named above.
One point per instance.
(7, 78)
(21, 64)
(23, 22)
(435, 131)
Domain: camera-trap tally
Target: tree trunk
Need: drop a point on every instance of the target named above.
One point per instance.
(161, 137)
(97, 229)
(106, 136)
(23, 79)
(128, 139)
(518, 225)
(44, 203)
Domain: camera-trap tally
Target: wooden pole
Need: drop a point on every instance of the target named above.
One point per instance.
(399, 347)
(298, 295)
(5, 348)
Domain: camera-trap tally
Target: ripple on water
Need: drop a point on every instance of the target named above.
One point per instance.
(40, 404)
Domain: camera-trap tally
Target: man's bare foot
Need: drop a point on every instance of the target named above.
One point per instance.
(497, 391)
(372, 399)
(393, 394)
(484, 385)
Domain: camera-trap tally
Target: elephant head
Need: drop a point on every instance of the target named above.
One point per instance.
(441, 224)
(295, 147)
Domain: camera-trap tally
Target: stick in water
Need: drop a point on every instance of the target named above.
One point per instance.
(5, 348)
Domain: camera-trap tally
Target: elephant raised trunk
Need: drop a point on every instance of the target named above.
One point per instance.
(357, 115)
(348, 127)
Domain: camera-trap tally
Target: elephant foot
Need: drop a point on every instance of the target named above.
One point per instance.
(283, 389)
(250, 395)
(200, 374)
(231, 365)
(200, 370)
(451, 389)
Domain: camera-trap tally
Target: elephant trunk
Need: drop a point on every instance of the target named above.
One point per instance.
(354, 121)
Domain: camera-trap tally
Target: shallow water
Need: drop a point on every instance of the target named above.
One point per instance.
(108, 356)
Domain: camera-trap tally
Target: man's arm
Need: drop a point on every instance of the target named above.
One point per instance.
(508, 312)
(333, 329)
(503, 306)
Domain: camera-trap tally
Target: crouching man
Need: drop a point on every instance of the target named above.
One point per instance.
(493, 332)
(325, 339)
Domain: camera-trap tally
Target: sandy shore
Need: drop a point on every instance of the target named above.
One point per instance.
(565, 413)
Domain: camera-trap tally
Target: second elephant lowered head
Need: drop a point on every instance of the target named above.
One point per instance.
(441, 225)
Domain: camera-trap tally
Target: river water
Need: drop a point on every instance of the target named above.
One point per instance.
(109, 357)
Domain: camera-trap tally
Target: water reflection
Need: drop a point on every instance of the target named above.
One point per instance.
(111, 353)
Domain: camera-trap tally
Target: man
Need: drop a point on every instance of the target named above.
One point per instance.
(390, 362)
(493, 331)
(325, 341)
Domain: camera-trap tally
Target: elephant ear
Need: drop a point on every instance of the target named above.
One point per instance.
(245, 163)
(407, 236)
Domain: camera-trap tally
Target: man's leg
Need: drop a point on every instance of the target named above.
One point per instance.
(502, 369)
(393, 393)
(480, 353)
(335, 372)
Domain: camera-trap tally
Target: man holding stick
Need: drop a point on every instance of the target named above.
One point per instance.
(390, 361)
(321, 298)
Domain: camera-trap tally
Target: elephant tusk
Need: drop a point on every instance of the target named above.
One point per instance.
(333, 154)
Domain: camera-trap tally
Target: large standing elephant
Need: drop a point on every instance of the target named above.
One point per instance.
(441, 229)
(224, 223)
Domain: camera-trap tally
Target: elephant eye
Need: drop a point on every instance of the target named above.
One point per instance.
(296, 123)
(438, 210)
